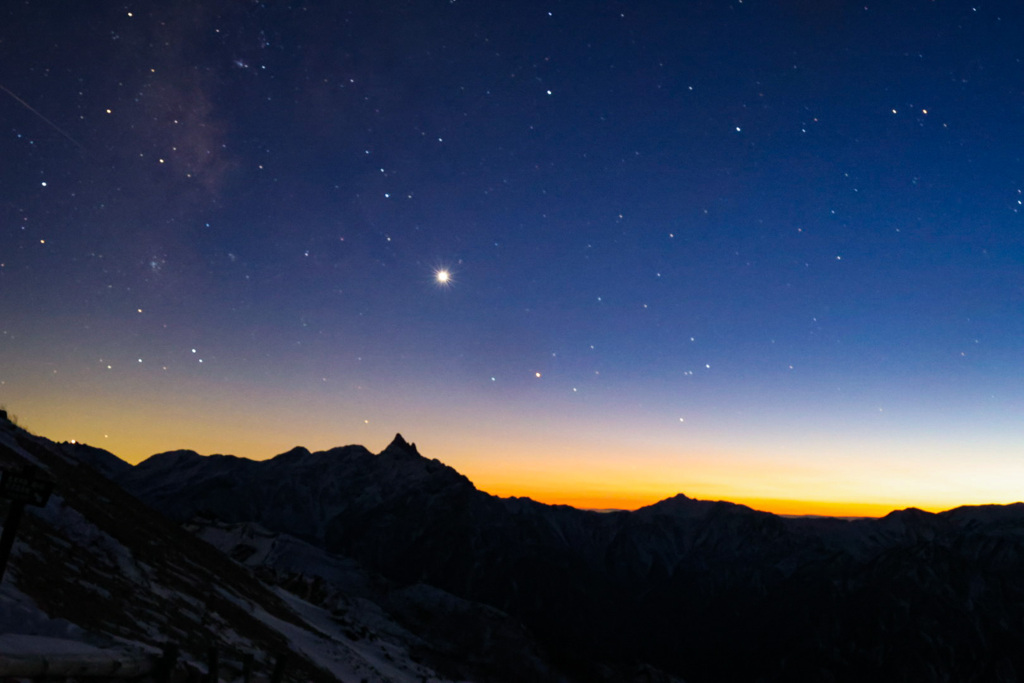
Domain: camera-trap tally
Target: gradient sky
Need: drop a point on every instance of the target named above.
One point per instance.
(762, 251)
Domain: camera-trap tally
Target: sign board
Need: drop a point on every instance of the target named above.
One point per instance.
(25, 488)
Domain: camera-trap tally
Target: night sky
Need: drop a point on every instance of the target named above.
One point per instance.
(762, 251)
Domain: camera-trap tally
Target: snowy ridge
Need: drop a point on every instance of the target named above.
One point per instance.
(381, 617)
(95, 575)
(612, 596)
(393, 567)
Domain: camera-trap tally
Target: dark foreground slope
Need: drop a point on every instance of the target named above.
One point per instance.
(708, 591)
(95, 565)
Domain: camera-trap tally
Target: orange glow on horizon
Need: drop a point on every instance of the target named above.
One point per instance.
(616, 468)
(627, 501)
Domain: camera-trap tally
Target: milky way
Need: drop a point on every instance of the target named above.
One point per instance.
(729, 249)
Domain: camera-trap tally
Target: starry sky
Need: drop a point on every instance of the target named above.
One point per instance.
(762, 251)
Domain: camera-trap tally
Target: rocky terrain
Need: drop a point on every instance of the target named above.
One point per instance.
(95, 567)
(402, 561)
(710, 591)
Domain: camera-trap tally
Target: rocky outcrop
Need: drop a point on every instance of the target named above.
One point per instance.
(711, 591)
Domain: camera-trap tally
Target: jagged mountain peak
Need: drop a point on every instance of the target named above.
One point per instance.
(399, 446)
(298, 491)
(96, 565)
(910, 594)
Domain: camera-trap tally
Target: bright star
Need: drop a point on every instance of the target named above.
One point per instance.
(442, 277)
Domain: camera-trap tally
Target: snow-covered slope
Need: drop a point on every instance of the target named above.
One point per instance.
(711, 591)
(460, 638)
(94, 571)
(394, 567)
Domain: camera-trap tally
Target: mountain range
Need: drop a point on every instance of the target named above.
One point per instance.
(398, 568)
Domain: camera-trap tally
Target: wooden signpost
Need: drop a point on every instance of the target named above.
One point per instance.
(29, 486)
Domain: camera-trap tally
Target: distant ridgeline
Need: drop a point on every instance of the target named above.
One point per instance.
(403, 554)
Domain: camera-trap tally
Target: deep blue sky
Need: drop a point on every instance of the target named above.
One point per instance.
(736, 240)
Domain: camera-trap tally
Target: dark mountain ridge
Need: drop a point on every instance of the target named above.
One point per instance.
(96, 568)
(712, 591)
(96, 565)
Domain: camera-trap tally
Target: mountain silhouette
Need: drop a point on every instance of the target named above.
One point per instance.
(703, 590)
(393, 567)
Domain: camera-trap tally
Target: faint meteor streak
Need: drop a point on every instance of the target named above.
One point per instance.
(48, 121)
